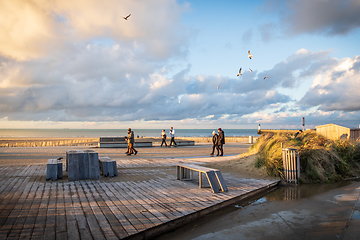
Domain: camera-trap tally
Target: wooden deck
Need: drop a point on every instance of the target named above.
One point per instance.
(143, 201)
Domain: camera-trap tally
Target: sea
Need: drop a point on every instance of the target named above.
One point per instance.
(63, 133)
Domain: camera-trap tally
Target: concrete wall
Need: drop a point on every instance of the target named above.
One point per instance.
(47, 142)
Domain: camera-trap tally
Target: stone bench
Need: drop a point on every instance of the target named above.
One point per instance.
(119, 142)
(108, 167)
(82, 164)
(54, 169)
(214, 176)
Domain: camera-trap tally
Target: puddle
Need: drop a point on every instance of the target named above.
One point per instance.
(356, 214)
(281, 207)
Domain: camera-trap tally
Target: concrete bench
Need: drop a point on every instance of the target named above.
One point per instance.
(82, 164)
(54, 169)
(214, 176)
(119, 142)
(108, 167)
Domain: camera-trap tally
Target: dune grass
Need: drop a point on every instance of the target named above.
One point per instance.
(321, 160)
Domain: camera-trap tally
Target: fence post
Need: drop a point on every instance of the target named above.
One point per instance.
(291, 163)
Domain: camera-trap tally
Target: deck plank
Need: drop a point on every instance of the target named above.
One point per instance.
(137, 201)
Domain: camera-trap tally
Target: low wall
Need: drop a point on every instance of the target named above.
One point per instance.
(47, 142)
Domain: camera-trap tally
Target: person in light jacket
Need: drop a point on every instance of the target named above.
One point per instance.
(172, 135)
(215, 141)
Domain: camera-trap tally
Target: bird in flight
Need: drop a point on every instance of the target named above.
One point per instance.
(266, 77)
(218, 88)
(250, 70)
(250, 56)
(127, 16)
(239, 72)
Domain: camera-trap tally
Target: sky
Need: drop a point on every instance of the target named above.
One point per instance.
(80, 64)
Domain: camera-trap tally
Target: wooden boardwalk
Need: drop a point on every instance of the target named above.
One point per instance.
(143, 201)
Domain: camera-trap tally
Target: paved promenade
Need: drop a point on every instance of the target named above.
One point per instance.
(143, 201)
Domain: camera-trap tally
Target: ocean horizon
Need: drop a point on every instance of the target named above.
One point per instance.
(120, 132)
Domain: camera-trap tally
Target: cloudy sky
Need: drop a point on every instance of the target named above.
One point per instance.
(80, 64)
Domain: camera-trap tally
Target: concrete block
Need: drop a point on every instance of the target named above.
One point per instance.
(94, 168)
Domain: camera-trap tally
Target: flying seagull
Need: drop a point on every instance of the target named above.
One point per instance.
(266, 77)
(239, 72)
(250, 70)
(127, 16)
(218, 88)
(250, 56)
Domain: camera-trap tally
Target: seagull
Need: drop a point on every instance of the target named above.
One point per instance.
(218, 88)
(266, 77)
(250, 56)
(60, 158)
(239, 72)
(127, 16)
(250, 70)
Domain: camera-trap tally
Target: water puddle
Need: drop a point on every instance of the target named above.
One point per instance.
(281, 207)
(356, 214)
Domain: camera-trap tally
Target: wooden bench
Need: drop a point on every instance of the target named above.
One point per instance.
(54, 169)
(214, 176)
(108, 167)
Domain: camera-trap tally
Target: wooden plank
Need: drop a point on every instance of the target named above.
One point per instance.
(60, 219)
(100, 210)
(81, 220)
(154, 199)
(94, 227)
(34, 198)
(71, 224)
(136, 209)
(125, 217)
(136, 193)
(40, 221)
(110, 211)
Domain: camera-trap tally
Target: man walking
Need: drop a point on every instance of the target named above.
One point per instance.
(172, 135)
(221, 141)
(130, 140)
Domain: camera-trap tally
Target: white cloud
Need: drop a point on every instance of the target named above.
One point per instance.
(336, 88)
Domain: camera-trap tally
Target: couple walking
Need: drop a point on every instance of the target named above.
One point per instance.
(218, 142)
(172, 135)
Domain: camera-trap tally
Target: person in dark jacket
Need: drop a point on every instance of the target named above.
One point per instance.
(221, 140)
(215, 142)
(130, 139)
(163, 138)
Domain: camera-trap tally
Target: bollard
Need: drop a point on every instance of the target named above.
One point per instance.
(291, 163)
(251, 139)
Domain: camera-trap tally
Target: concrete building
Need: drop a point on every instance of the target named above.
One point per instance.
(335, 132)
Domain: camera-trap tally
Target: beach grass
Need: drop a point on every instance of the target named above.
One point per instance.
(321, 159)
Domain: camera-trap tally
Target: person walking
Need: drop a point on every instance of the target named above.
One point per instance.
(130, 139)
(221, 141)
(172, 135)
(163, 138)
(215, 141)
